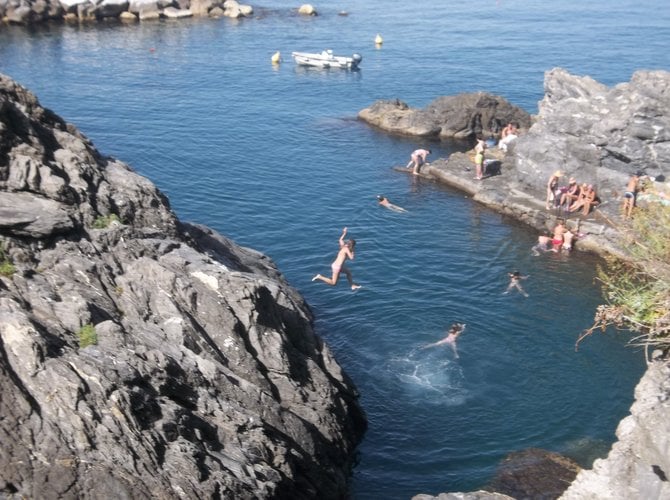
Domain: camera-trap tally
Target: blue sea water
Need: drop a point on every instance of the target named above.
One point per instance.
(274, 157)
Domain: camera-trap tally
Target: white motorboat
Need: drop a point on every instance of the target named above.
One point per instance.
(326, 59)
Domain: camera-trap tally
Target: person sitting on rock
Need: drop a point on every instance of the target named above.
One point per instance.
(508, 134)
(586, 200)
(571, 195)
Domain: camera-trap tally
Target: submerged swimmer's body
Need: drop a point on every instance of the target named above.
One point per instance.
(384, 202)
(453, 334)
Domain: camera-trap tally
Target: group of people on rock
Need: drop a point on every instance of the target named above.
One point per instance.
(562, 239)
(572, 196)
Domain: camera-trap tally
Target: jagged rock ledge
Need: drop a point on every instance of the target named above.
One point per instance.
(143, 357)
(32, 12)
(600, 136)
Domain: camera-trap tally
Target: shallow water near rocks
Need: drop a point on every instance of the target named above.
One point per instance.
(274, 158)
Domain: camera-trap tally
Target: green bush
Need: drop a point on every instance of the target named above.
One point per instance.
(87, 336)
(6, 266)
(103, 221)
(637, 292)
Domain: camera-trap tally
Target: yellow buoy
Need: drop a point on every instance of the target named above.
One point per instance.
(276, 58)
(378, 39)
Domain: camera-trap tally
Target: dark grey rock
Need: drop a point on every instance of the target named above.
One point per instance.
(203, 377)
(534, 473)
(463, 116)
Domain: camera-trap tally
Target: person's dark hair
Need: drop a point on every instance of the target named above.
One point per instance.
(351, 243)
(380, 197)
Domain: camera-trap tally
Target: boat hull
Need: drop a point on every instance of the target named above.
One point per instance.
(326, 59)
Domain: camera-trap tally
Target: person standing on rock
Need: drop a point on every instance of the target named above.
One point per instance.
(480, 147)
(552, 185)
(418, 158)
(346, 252)
(630, 194)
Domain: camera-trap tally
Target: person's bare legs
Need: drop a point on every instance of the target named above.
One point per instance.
(330, 281)
(350, 278)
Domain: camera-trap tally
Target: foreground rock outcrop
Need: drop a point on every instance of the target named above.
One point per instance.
(142, 357)
(638, 466)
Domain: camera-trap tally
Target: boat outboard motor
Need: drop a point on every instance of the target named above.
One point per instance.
(357, 58)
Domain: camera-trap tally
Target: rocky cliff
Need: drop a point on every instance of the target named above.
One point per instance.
(143, 357)
(638, 465)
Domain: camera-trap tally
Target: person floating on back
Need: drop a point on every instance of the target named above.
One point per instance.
(338, 266)
(515, 282)
(384, 202)
(418, 158)
(453, 334)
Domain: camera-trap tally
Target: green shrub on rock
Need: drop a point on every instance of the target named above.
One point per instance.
(6, 266)
(87, 336)
(104, 221)
(637, 292)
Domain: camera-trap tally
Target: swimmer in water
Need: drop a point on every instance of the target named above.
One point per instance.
(515, 282)
(384, 202)
(453, 334)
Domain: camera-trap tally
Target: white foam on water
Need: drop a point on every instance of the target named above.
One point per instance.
(434, 377)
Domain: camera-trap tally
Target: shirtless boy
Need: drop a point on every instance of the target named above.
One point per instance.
(630, 194)
(346, 252)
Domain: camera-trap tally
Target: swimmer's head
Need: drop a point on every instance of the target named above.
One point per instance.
(380, 197)
(351, 243)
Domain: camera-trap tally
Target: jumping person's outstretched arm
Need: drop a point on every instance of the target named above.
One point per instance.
(344, 233)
